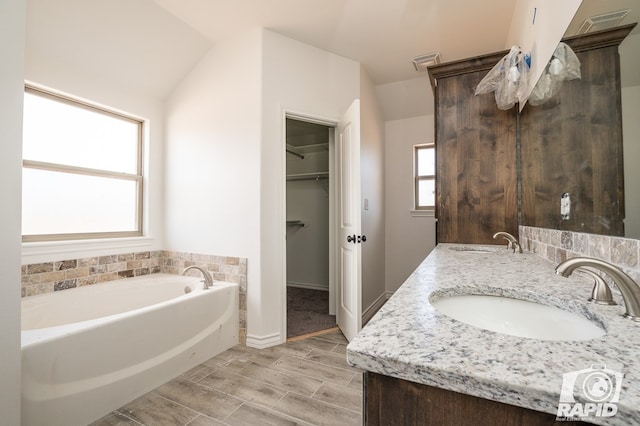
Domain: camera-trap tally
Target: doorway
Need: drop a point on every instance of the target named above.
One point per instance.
(308, 203)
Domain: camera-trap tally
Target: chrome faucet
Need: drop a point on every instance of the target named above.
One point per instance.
(208, 280)
(630, 289)
(512, 241)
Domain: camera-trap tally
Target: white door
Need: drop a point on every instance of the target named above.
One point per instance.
(349, 256)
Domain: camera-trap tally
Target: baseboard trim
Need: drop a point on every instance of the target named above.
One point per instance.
(374, 307)
(308, 286)
(262, 342)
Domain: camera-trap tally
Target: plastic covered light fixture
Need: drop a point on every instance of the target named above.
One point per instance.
(508, 79)
(555, 66)
(563, 66)
(514, 74)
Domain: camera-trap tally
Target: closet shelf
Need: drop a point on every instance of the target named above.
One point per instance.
(295, 152)
(308, 176)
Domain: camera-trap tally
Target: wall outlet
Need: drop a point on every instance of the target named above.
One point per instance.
(366, 204)
(565, 206)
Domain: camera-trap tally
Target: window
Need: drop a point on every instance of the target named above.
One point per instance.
(81, 170)
(425, 176)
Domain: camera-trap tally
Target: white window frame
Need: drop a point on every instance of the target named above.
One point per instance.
(418, 178)
(138, 177)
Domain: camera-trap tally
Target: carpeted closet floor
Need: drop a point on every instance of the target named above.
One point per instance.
(307, 311)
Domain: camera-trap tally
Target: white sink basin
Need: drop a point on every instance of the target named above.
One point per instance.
(518, 317)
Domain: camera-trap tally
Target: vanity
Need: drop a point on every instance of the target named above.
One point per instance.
(425, 367)
(435, 353)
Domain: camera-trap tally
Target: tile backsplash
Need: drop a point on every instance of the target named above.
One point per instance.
(38, 278)
(47, 277)
(557, 246)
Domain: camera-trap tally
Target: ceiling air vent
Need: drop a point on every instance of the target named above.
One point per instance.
(602, 22)
(422, 62)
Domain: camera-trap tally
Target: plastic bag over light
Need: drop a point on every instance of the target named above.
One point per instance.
(564, 65)
(508, 79)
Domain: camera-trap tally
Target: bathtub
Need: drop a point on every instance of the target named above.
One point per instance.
(87, 351)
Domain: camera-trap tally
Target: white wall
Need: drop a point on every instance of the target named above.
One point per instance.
(631, 138)
(406, 98)
(372, 174)
(225, 157)
(537, 26)
(212, 153)
(12, 41)
(212, 159)
(137, 45)
(409, 239)
(309, 81)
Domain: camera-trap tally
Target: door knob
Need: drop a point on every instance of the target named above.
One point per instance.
(356, 238)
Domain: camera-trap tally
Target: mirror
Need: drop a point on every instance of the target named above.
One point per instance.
(630, 84)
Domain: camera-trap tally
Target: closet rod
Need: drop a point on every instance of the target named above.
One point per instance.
(290, 151)
(308, 176)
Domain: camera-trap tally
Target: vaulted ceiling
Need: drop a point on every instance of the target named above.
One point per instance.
(151, 44)
(381, 34)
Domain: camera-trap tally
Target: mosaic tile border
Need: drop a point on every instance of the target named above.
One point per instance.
(39, 278)
(557, 246)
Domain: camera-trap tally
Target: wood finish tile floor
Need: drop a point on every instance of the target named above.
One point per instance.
(306, 382)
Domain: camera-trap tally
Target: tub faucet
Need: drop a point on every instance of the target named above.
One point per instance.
(630, 289)
(208, 281)
(513, 242)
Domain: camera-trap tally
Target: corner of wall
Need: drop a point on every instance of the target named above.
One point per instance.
(12, 42)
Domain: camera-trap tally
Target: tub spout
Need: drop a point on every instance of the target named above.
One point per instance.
(208, 280)
(629, 289)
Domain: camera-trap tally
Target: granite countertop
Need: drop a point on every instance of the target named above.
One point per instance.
(409, 339)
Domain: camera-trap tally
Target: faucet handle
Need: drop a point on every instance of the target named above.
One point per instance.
(512, 242)
(601, 292)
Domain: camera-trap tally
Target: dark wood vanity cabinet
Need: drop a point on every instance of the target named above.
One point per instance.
(572, 143)
(476, 193)
(391, 401)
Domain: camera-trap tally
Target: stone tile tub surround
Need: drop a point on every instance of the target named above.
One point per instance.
(557, 246)
(46, 277)
(409, 339)
(222, 268)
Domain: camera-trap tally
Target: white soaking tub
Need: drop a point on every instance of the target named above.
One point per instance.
(87, 351)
